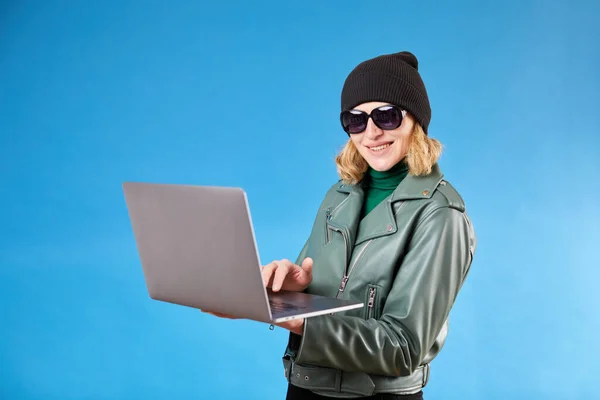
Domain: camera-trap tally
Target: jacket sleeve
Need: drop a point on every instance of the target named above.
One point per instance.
(418, 304)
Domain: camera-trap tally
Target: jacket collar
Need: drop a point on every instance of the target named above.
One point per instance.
(381, 221)
(411, 187)
(418, 187)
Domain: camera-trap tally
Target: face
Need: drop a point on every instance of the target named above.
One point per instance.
(382, 149)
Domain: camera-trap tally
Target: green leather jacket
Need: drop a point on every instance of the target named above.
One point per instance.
(407, 260)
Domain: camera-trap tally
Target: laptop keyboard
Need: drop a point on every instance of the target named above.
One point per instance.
(281, 306)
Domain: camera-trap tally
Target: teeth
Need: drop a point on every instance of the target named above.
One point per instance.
(379, 148)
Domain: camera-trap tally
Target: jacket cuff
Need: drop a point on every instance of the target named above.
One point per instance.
(310, 350)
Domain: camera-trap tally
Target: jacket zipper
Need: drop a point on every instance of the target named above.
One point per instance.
(371, 305)
(345, 278)
(327, 219)
(348, 272)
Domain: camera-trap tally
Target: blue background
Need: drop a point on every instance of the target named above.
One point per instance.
(247, 94)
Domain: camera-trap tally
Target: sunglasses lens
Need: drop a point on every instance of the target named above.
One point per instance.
(354, 121)
(387, 117)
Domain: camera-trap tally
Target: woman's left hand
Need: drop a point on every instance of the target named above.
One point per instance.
(295, 325)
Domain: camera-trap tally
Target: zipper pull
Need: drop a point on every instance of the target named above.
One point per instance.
(328, 214)
(343, 284)
(371, 303)
(371, 297)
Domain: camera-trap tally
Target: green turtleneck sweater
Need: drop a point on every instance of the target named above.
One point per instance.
(380, 184)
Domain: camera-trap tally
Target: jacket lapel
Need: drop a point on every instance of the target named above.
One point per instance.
(381, 221)
(346, 215)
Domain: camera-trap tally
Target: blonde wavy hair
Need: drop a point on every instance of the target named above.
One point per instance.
(423, 152)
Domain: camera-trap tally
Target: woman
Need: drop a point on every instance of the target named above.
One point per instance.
(392, 233)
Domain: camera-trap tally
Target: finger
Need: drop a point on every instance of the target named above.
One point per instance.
(209, 312)
(267, 273)
(280, 273)
(216, 314)
(307, 265)
(220, 315)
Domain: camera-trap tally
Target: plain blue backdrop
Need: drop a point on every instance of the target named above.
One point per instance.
(247, 94)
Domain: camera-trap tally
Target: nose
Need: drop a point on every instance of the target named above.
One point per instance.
(372, 131)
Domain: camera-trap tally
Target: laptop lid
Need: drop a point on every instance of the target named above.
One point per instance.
(197, 247)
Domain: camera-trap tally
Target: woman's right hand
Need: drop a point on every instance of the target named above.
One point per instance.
(285, 275)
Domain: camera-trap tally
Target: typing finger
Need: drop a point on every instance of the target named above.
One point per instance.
(280, 274)
(267, 273)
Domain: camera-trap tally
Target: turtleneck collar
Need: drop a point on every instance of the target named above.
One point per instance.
(386, 180)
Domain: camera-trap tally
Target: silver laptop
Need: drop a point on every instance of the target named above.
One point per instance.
(197, 248)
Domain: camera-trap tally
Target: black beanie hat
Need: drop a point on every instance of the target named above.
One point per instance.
(391, 78)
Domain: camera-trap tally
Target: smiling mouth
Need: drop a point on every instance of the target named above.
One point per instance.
(380, 147)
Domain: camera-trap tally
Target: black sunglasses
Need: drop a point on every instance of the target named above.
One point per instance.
(388, 117)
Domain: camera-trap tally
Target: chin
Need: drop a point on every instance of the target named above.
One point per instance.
(381, 165)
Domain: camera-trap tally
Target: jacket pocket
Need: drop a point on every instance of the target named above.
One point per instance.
(372, 308)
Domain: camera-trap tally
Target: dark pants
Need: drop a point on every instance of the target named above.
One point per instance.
(296, 393)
